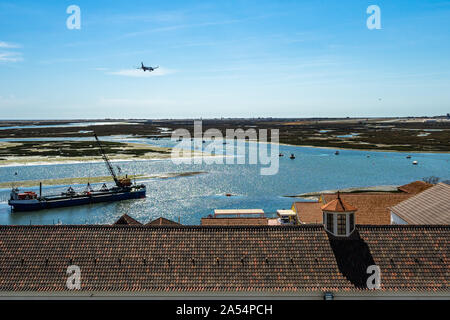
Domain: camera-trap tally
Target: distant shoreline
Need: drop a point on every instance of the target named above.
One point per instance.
(420, 135)
(26, 161)
(145, 152)
(357, 149)
(312, 195)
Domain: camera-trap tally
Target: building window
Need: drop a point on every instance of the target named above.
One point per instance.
(351, 221)
(341, 224)
(330, 222)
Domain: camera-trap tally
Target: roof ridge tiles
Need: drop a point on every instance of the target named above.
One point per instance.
(227, 227)
(140, 227)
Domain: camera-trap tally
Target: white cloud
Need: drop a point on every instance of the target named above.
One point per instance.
(10, 57)
(7, 45)
(141, 74)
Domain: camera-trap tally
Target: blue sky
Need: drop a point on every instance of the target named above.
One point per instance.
(224, 59)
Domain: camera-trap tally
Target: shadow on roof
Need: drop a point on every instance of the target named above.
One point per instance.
(353, 256)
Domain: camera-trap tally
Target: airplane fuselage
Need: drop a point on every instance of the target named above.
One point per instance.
(144, 68)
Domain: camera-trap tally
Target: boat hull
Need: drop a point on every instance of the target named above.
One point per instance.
(18, 205)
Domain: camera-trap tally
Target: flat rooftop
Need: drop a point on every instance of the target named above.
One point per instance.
(238, 212)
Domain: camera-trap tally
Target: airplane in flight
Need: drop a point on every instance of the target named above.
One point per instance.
(144, 68)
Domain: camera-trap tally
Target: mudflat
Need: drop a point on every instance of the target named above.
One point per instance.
(384, 134)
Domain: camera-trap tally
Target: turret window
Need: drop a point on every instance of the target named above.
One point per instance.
(351, 221)
(341, 224)
(330, 222)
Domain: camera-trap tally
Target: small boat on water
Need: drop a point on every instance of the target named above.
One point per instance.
(124, 189)
(415, 163)
(408, 157)
(337, 152)
(292, 156)
(281, 155)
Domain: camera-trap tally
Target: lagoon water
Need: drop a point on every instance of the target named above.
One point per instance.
(191, 197)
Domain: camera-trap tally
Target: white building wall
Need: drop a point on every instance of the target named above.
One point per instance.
(395, 219)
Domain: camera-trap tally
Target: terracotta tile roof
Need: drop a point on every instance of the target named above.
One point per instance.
(373, 207)
(415, 187)
(189, 259)
(431, 206)
(162, 222)
(338, 205)
(308, 212)
(127, 220)
(234, 221)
